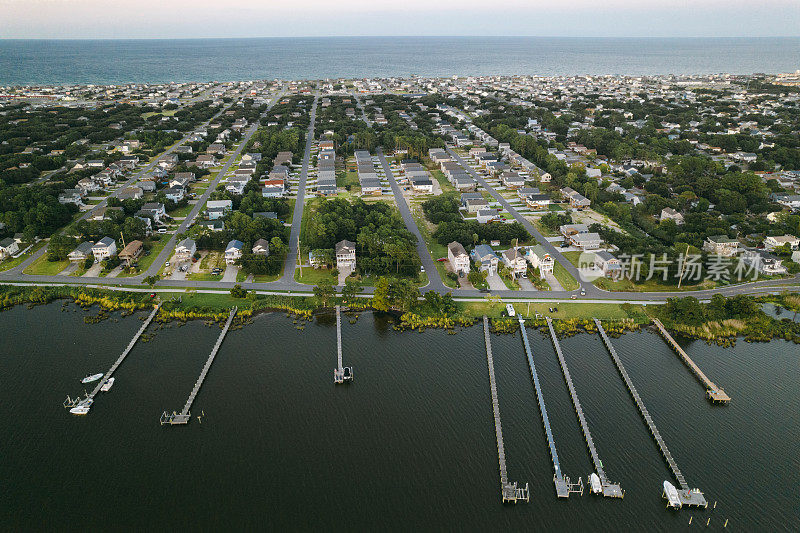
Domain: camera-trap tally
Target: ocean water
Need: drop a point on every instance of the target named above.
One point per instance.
(31, 62)
(409, 445)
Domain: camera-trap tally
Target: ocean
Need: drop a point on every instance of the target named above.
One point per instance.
(34, 62)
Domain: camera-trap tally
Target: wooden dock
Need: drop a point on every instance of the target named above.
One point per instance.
(510, 492)
(340, 373)
(184, 416)
(688, 496)
(713, 393)
(563, 484)
(610, 490)
(90, 397)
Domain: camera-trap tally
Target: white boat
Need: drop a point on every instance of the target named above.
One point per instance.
(671, 493)
(107, 385)
(93, 377)
(594, 483)
(82, 407)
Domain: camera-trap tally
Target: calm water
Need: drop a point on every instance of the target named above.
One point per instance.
(155, 61)
(409, 445)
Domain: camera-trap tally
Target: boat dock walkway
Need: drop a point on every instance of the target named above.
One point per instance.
(610, 490)
(690, 497)
(183, 417)
(562, 483)
(510, 491)
(714, 393)
(120, 359)
(340, 373)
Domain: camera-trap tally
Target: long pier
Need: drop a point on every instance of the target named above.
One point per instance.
(688, 496)
(562, 483)
(713, 393)
(340, 373)
(184, 416)
(610, 490)
(89, 399)
(510, 492)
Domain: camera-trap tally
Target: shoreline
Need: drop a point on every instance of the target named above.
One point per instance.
(576, 318)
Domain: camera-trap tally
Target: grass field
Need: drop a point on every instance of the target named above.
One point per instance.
(182, 212)
(312, 276)
(563, 310)
(10, 263)
(43, 267)
(146, 260)
(564, 278)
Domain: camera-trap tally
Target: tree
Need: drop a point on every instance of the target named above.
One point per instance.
(403, 294)
(476, 277)
(324, 292)
(380, 298)
(151, 280)
(238, 292)
(350, 290)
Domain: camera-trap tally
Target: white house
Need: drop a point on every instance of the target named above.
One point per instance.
(458, 258)
(261, 247)
(608, 264)
(104, 248)
(770, 243)
(186, 248)
(541, 259)
(486, 258)
(670, 214)
(515, 262)
(486, 215)
(8, 247)
(345, 255)
(233, 252)
(80, 253)
(721, 245)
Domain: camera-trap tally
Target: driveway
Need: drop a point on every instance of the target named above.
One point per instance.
(554, 284)
(72, 267)
(496, 283)
(525, 284)
(94, 271)
(230, 273)
(176, 269)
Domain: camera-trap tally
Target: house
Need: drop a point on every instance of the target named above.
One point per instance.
(512, 180)
(568, 230)
(515, 262)
(218, 208)
(81, 252)
(205, 161)
(174, 194)
(586, 241)
(261, 247)
(670, 214)
(537, 201)
(764, 262)
(345, 255)
(272, 192)
(576, 200)
(486, 259)
(130, 193)
(8, 247)
(152, 210)
(212, 225)
(186, 248)
(233, 251)
(215, 149)
(71, 196)
(487, 215)
(608, 264)
(474, 203)
(459, 260)
(770, 243)
(131, 251)
(315, 260)
(104, 248)
(422, 184)
(721, 245)
(539, 258)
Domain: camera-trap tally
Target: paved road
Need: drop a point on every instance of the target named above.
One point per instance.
(287, 280)
(434, 279)
(166, 252)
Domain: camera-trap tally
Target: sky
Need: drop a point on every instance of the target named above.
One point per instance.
(114, 19)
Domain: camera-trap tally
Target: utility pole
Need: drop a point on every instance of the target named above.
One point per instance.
(299, 258)
(683, 267)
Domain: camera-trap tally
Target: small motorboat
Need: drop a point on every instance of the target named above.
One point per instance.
(93, 377)
(594, 483)
(82, 407)
(107, 385)
(671, 493)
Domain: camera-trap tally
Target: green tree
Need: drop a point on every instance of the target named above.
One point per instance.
(380, 298)
(324, 292)
(238, 292)
(151, 281)
(350, 290)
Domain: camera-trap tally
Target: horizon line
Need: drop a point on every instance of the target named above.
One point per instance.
(582, 37)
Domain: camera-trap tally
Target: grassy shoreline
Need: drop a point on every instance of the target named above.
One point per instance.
(569, 317)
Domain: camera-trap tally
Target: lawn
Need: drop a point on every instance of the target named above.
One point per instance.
(182, 212)
(309, 211)
(189, 298)
(266, 278)
(343, 179)
(564, 278)
(312, 276)
(146, 260)
(15, 261)
(562, 310)
(43, 267)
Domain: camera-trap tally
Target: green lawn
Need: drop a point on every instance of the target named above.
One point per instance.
(43, 267)
(204, 276)
(564, 310)
(10, 263)
(564, 278)
(343, 179)
(266, 278)
(189, 298)
(182, 211)
(312, 276)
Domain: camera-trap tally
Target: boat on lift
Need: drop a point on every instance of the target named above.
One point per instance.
(594, 483)
(671, 493)
(107, 385)
(93, 377)
(82, 407)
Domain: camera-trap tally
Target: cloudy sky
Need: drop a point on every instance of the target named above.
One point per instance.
(270, 18)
